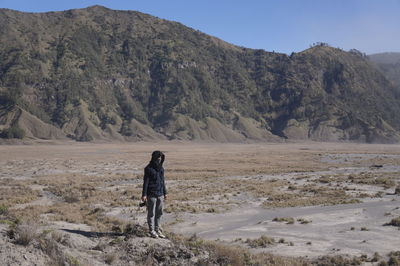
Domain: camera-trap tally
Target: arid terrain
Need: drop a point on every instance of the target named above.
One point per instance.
(293, 203)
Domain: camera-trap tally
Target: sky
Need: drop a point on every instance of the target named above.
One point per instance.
(371, 26)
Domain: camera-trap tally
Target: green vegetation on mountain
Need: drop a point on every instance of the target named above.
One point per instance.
(95, 73)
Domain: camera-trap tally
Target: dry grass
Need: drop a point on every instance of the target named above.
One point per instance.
(14, 192)
(309, 195)
(303, 221)
(222, 254)
(287, 220)
(337, 260)
(50, 247)
(395, 222)
(200, 177)
(23, 234)
(84, 182)
(110, 258)
(385, 180)
(394, 258)
(3, 209)
(261, 242)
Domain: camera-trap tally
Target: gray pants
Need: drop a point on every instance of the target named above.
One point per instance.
(154, 212)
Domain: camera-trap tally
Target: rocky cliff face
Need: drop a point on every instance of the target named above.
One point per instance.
(95, 73)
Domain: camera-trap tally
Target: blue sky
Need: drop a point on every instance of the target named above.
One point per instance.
(370, 26)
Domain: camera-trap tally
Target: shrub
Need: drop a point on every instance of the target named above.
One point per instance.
(72, 260)
(211, 210)
(3, 209)
(9, 98)
(225, 255)
(337, 260)
(393, 261)
(394, 258)
(376, 257)
(52, 249)
(395, 222)
(303, 221)
(71, 198)
(262, 242)
(23, 234)
(135, 230)
(288, 220)
(13, 133)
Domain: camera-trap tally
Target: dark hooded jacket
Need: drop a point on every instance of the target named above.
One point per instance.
(153, 180)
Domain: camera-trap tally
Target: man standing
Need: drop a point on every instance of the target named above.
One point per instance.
(154, 192)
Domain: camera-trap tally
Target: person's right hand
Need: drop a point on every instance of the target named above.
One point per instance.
(144, 198)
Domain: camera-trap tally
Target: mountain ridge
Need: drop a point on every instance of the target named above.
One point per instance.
(102, 74)
(389, 64)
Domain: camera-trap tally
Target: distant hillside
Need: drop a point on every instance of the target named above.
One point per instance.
(100, 74)
(389, 64)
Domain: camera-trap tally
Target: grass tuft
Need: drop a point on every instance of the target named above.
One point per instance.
(110, 258)
(23, 234)
(3, 209)
(394, 222)
(262, 242)
(287, 220)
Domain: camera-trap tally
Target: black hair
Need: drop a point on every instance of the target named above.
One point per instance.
(154, 162)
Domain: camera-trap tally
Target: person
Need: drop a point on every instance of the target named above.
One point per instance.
(154, 192)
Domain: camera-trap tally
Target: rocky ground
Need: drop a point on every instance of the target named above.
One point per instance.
(271, 204)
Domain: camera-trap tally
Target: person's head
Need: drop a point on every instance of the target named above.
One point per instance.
(157, 157)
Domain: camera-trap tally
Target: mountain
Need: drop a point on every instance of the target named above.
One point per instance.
(389, 64)
(100, 74)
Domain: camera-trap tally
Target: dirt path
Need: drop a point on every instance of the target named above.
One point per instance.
(329, 232)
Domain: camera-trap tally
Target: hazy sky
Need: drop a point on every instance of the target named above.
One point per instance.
(370, 26)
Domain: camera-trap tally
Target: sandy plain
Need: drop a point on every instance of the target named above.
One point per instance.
(313, 199)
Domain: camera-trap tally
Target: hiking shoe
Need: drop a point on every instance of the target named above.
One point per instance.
(153, 234)
(160, 235)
